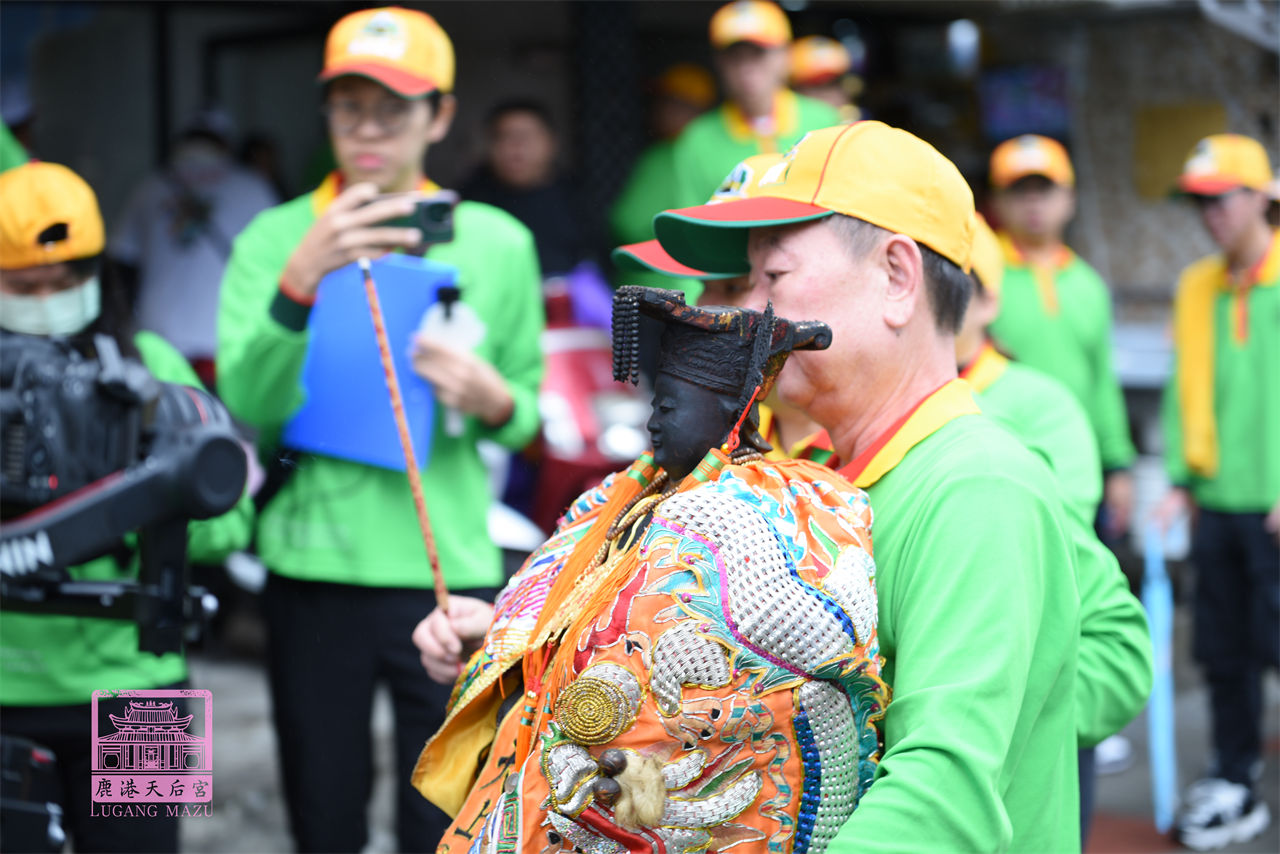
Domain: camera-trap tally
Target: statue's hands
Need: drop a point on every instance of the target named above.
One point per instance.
(444, 638)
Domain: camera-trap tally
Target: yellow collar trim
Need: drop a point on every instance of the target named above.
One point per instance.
(785, 118)
(985, 368)
(332, 185)
(943, 406)
(1266, 273)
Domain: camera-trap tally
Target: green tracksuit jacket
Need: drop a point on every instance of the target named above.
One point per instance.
(344, 522)
(48, 660)
(1069, 341)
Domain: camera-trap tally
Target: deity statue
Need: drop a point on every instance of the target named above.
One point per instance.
(690, 662)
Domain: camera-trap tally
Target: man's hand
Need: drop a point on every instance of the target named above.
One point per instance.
(346, 231)
(463, 381)
(442, 638)
(1175, 504)
(1117, 497)
(1272, 522)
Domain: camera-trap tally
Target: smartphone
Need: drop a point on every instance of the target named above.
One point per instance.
(433, 216)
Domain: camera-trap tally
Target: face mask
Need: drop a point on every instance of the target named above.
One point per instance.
(63, 313)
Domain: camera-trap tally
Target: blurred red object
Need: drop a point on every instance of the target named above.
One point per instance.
(591, 425)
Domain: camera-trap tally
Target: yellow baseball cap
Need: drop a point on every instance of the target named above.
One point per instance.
(740, 183)
(756, 21)
(689, 83)
(403, 49)
(988, 257)
(48, 214)
(816, 60)
(868, 170)
(1225, 162)
(1030, 154)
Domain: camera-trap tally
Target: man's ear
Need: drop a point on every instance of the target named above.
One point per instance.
(904, 287)
(443, 119)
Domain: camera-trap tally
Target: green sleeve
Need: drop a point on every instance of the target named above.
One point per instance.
(11, 151)
(1114, 669)
(208, 540)
(1107, 408)
(519, 316)
(262, 338)
(1049, 420)
(649, 190)
(702, 155)
(960, 673)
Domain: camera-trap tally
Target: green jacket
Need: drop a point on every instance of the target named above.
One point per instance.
(650, 188)
(1047, 419)
(979, 626)
(1246, 396)
(11, 151)
(1113, 668)
(712, 144)
(349, 523)
(1071, 343)
(51, 660)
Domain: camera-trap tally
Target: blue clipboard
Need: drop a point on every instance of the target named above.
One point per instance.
(346, 411)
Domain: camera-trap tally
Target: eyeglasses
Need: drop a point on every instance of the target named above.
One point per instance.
(1203, 201)
(345, 117)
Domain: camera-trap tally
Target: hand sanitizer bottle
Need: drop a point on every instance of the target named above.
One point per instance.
(451, 321)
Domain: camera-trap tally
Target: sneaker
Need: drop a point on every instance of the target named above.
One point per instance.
(1113, 755)
(1218, 813)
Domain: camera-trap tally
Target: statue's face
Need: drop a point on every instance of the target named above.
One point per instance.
(688, 420)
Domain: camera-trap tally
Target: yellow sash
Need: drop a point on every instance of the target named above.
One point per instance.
(949, 402)
(985, 368)
(1042, 273)
(786, 117)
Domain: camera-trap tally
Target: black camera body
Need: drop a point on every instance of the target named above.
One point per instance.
(66, 421)
(90, 450)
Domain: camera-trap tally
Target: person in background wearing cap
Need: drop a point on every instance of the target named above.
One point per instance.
(870, 228)
(759, 114)
(349, 579)
(1114, 668)
(820, 69)
(681, 94)
(792, 433)
(1055, 310)
(51, 240)
(174, 236)
(1222, 451)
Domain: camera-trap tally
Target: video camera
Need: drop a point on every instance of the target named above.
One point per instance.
(90, 450)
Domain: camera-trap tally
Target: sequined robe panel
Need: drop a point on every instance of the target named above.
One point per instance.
(739, 663)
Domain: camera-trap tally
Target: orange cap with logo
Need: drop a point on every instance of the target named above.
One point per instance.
(403, 49)
(756, 21)
(689, 83)
(48, 214)
(1030, 154)
(1225, 162)
(816, 60)
(740, 183)
(988, 257)
(868, 170)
